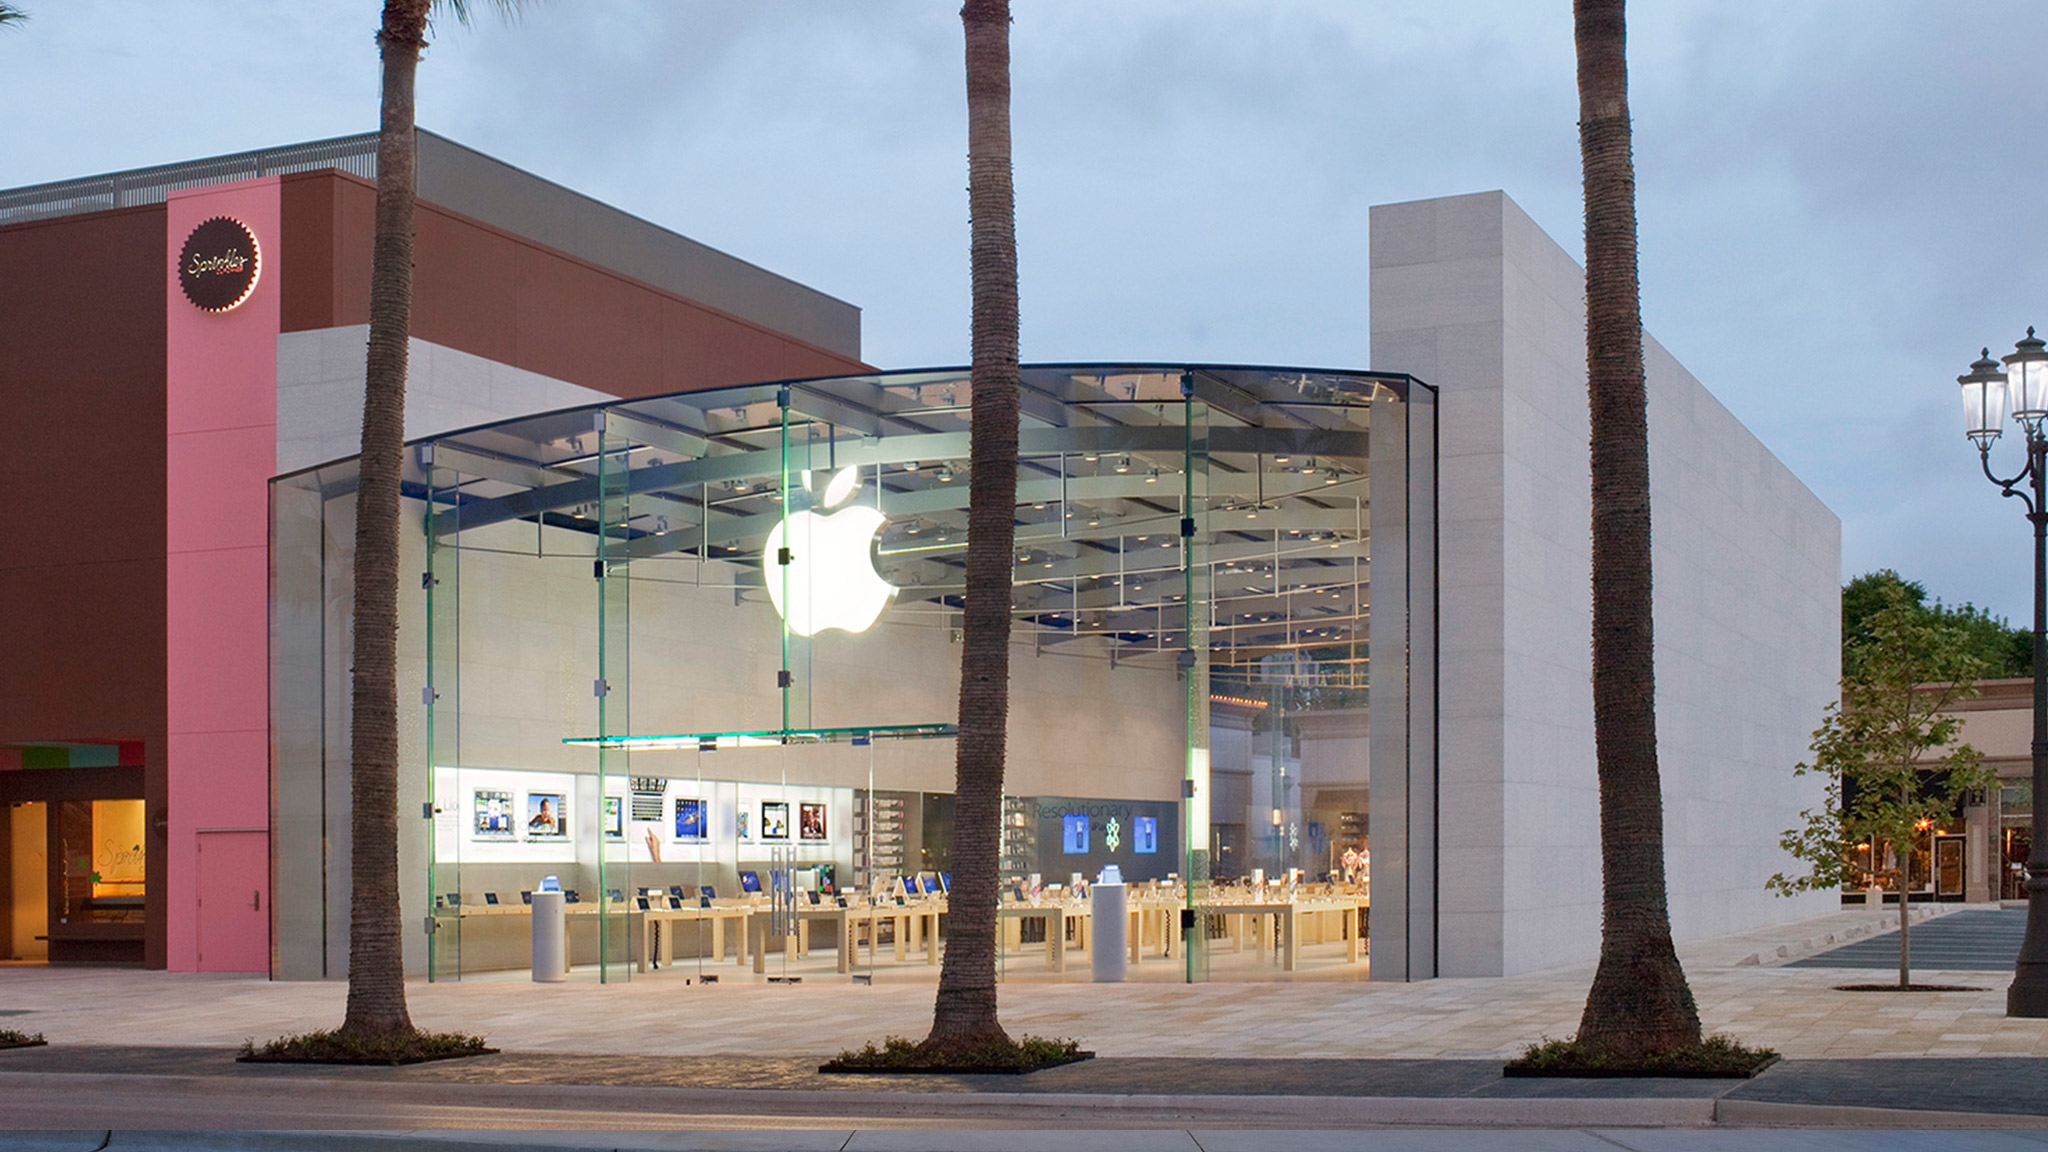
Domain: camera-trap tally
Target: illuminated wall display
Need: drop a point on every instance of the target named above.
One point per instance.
(219, 265)
(1074, 834)
(1144, 834)
(829, 579)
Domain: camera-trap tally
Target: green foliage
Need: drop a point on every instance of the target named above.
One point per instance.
(2005, 651)
(11, 1038)
(1888, 749)
(896, 1054)
(1715, 1056)
(335, 1047)
(10, 14)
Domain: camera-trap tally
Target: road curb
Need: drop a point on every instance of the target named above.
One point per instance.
(669, 1106)
(1736, 1113)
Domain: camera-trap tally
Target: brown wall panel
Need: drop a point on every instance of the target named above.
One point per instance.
(501, 296)
(82, 529)
(307, 285)
(465, 284)
(613, 343)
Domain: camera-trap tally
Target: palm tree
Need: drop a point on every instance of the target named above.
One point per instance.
(1639, 1003)
(964, 1015)
(9, 14)
(376, 966)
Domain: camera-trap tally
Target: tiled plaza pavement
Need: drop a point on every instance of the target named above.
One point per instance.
(1740, 983)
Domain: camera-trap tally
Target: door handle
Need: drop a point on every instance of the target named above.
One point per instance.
(256, 900)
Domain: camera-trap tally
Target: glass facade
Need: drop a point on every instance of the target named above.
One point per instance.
(696, 657)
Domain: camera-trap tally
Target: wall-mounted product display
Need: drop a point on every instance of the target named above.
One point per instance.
(774, 820)
(811, 821)
(691, 819)
(547, 816)
(614, 818)
(493, 814)
(1074, 833)
(881, 820)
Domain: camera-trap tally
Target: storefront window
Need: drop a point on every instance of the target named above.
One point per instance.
(697, 658)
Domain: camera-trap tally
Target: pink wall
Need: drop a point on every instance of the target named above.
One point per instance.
(221, 441)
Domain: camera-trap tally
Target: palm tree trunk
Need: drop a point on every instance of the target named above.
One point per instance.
(964, 1014)
(1639, 1002)
(376, 965)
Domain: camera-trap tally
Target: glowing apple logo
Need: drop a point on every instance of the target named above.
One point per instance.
(830, 580)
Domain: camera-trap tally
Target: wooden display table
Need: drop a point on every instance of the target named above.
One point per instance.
(1249, 917)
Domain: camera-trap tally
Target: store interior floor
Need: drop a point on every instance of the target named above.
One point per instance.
(1317, 963)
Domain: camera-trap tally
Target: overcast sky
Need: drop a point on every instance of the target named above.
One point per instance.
(1839, 201)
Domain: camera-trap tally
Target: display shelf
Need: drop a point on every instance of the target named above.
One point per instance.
(767, 737)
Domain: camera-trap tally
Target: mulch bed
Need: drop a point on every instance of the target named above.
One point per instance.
(840, 1068)
(1513, 1071)
(380, 1061)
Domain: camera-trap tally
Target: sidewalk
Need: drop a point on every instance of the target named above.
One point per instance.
(147, 1049)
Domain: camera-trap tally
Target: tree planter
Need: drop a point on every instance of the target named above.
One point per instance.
(1715, 1058)
(332, 1048)
(900, 1056)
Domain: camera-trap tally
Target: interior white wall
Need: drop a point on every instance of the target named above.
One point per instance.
(1471, 296)
(705, 646)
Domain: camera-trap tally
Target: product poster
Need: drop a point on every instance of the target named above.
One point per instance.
(1074, 834)
(774, 820)
(614, 819)
(690, 819)
(493, 814)
(744, 824)
(1145, 834)
(547, 818)
(810, 822)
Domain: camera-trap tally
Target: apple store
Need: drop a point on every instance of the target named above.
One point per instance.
(694, 660)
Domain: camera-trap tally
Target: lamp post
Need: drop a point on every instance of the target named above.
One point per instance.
(1986, 389)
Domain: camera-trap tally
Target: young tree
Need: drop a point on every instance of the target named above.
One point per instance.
(964, 1015)
(1639, 1004)
(1890, 755)
(376, 967)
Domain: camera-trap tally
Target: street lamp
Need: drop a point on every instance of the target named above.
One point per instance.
(1986, 393)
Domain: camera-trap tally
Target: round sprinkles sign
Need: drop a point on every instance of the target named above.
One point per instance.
(219, 265)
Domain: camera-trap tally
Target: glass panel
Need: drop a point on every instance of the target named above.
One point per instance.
(298, 765)
(117, 854)
(486, 811)
(603, 826)
(1206, 841)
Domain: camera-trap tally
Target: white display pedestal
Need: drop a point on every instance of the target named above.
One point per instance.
(550, 938)
(1108, 936)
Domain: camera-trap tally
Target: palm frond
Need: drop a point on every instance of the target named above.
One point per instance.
(510, 10)
(9, 14)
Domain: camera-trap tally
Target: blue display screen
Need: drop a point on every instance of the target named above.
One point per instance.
(1145, 834)
(1074, 834)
